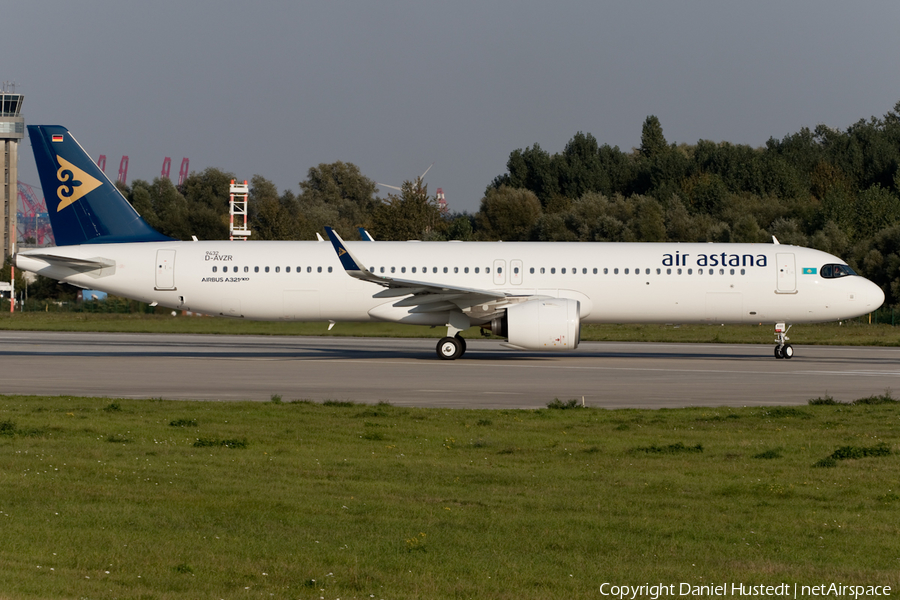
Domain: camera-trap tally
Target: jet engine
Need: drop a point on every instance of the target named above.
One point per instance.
(549, 324)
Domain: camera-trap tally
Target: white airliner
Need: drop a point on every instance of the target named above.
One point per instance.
(536, 294)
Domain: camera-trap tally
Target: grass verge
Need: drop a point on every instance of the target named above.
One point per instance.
(106, 498)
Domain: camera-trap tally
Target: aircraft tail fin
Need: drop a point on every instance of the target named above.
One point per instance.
(84, 205)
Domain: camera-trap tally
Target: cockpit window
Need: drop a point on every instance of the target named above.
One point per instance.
(835, 271)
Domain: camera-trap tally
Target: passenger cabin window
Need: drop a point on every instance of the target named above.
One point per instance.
(278, 269)
(215, 269)
(267, 269)
(256, 269)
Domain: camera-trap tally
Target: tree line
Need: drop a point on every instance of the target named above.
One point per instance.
(835, 190)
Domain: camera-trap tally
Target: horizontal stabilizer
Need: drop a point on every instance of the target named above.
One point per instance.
(80, 264)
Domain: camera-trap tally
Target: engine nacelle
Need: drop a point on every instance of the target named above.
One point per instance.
(553, 324)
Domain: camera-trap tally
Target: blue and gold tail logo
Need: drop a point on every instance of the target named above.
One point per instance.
(74, 183)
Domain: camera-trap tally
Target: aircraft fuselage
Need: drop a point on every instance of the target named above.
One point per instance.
(614, 282)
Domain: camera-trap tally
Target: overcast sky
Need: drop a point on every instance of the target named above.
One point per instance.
(276, 87)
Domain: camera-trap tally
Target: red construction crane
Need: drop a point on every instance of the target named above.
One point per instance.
(123, 170)
(101, 162)
(167, 167)
(183, 172)
(33, 220)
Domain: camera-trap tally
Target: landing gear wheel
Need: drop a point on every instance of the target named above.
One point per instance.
(462, 341)
(449, 348)
(782, 348)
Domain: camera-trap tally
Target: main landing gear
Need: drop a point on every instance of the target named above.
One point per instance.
(451, 348)
(782, 349)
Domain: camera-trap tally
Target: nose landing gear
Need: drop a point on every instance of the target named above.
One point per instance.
(782, 348)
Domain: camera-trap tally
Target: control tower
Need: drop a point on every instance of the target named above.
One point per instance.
(12, 129)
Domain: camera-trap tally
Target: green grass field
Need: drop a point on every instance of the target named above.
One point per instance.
(852, 333)
(104, 498)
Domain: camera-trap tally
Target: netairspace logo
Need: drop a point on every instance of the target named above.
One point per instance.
(738, 590)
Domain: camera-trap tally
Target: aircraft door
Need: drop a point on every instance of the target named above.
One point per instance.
(499, 272)
(165, 270)
(787, 274)
(515, 272)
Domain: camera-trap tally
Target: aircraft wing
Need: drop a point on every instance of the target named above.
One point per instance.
(424, 297)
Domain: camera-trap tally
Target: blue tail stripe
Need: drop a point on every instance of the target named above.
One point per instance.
(84, 205)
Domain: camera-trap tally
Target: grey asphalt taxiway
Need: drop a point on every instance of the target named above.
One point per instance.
(407, 372)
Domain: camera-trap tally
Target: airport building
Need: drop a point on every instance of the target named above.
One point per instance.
(12, 129)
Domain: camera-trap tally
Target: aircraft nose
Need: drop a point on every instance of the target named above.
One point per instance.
(873, 296)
